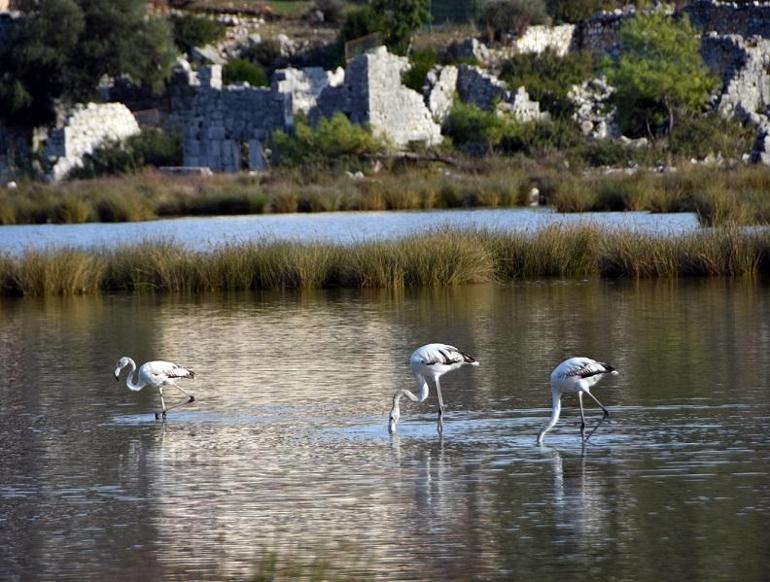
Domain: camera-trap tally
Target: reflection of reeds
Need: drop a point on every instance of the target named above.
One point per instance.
(718, 196)
(439, 258)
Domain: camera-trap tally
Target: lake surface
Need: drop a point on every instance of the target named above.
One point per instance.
(285, 455)
(344, 227)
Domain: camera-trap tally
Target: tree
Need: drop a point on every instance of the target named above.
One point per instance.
(402, 19)
(660, 74)
(397, 20)
(60, 50)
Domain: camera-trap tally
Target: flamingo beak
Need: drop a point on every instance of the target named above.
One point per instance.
(117, 378)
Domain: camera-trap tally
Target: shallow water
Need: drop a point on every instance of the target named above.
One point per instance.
(286, 450)
(343, 227)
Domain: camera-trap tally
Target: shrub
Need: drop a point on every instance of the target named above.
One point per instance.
(243, 71)
(499, 17)
(549, 77)
(191, 31)
(361, 21)
(150, 147)
(334, 141)
(711, 134)
(331, 9)
(473, 128)
(422, 61)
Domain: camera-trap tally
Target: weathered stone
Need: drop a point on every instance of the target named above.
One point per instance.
(305, 85)
(373, 94)
(487, 92)
(538, 39)
(207, 55)
(468, 49)
(439, 91)
(591, 111)
(83, 130)
(744, 18)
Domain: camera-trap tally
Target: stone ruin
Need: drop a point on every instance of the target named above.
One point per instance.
(373, 94)
(475, 86)
(83, 130)
(224, 127)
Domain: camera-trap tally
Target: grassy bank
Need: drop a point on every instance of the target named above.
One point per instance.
(738, 196)
(442, 258)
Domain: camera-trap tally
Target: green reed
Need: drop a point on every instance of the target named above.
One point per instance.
(439, 258)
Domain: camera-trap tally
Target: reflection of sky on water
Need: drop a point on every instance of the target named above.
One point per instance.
(286, 448)
(345, 227)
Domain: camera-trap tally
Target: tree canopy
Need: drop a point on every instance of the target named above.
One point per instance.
(660, 74)
(60, 49)
(397, 20)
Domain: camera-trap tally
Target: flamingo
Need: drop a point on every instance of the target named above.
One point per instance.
(429, 361)
(156, 374)
(575, 376)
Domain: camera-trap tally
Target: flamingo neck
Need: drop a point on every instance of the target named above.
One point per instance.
(130, 377)
(555, 412)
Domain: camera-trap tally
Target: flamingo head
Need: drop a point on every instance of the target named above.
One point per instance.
(395, 413)
(122, 363)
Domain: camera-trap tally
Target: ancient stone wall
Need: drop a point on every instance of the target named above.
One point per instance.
(84, 129)
(743, 65)
(373, 94)
(224, 126)
(744, 18)
(485, 91)
(305, 85)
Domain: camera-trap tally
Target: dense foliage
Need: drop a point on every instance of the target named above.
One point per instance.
(549, 77)
(62, 48)
(660, 75)
(191, 31)
(151, 147)
(577, 10)
(243, 71)
(396, 20)
(334, 141)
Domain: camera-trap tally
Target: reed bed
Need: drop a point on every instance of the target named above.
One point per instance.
(439, 258)
(738, 196)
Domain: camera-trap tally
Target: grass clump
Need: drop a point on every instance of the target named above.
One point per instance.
(437, 259)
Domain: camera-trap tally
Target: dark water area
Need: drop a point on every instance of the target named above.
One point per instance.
(336, 227)
(286, 451)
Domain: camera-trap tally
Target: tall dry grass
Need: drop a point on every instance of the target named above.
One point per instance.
(439, 258)
(738, 196)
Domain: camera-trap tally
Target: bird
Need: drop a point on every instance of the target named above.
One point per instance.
(575, 376)
(157, 374)
(429, 361)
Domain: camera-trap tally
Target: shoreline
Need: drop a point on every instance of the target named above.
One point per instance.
(719, 196)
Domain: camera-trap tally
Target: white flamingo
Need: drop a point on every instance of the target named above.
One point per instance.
(429, 361)
(157, 374)
(575, 376)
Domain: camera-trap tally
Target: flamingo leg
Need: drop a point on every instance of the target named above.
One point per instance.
(190, 396)
(440, 423)
(582, 417)
(162, 404)
(606, 412)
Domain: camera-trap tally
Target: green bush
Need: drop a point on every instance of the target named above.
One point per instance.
(422, 61)
(472, 128)
(243, 71)
(549, 77)
(331, 9)
(191, 31)
(335, 141)
(151, 147)
(697, 137)
(499, 17)
(361, 21)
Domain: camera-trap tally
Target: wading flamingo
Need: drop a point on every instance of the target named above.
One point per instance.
(157, 374)
(575, 376)
(429, 361)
